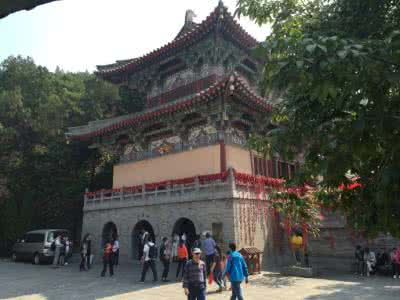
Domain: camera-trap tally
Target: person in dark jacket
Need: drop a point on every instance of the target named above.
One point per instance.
(165, 257)
(149, 259)
(216, 269)
(89, 252)
(237, 269)
(359, 256)
(195, 278)
(83, 251)
(108, 260)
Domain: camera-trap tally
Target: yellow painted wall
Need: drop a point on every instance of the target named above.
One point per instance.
(238, 158)
(201, 161)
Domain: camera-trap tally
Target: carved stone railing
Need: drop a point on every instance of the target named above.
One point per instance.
(201, 141)
(196, 189)
(225, 185)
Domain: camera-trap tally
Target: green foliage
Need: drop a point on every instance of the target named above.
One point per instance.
(339, 65)
(43, 177)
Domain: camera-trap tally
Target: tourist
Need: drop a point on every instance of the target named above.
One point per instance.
(143, 237)
(296, 242)
(165, 257)
(115, 250)
(108, 259)
(149, 259)
(197, 242)
(175, 243)
(216, 269)
(223, 266)
(184, 238)
(68, 250)
(83, 251)
(369, 260)
(395, 260)
(61, 260)
(89, 255)
(359, 256)
(183, 256)
(237, 269)
(194, 278)
(209, 251)
(57, 250)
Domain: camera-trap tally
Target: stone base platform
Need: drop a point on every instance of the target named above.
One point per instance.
(298, 271)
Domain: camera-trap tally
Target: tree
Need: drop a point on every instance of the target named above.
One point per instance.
(338, 65)
(42, 177)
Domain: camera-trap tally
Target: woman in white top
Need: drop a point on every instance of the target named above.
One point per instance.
(175, 243)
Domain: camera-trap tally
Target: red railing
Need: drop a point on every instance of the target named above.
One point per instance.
(240, 179)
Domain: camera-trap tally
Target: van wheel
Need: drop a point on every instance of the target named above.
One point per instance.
(36, 259)
(14, 256)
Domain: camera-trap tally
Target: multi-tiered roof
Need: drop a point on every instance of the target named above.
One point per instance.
(220, 19)
(233, 84)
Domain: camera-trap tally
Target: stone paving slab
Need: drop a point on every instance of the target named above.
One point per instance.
(28, 282)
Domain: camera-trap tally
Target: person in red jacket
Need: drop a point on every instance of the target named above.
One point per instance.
(107, 259)
(183, 256)
(395, 259)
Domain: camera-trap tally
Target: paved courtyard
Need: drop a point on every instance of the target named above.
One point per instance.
(26, 281)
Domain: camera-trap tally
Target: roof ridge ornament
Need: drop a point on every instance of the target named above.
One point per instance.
(189, 16)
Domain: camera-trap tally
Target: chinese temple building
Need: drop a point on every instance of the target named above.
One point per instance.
(184, 166)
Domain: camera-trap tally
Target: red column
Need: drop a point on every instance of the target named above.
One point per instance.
(222, 152)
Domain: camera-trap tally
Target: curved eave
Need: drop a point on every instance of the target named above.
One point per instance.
(117, 72)
(236, 86)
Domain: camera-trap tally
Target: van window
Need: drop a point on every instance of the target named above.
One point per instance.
(50, 236)
(34, 238)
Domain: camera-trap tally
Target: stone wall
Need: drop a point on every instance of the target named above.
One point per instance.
(162, 217)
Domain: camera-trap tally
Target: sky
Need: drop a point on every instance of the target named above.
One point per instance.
(77, 35)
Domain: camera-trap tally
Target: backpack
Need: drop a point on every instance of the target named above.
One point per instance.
(53, 246)
(107, 250)
(153, 252)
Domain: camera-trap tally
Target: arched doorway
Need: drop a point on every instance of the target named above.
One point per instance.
(110, 231)
(184, 225)
(138, 231)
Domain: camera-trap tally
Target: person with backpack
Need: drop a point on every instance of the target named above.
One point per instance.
(237, 269)
(108, 260)
(165, 256)
(216, 269)
(183, 256)
(149, 259)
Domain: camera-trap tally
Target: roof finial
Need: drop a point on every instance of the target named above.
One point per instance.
(189, 16)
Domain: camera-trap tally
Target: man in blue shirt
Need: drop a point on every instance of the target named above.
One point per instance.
(237, 269)
(209, 251)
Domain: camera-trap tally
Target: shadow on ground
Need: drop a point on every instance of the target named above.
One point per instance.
(371, 288)
(273, 280)
(43, 282)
